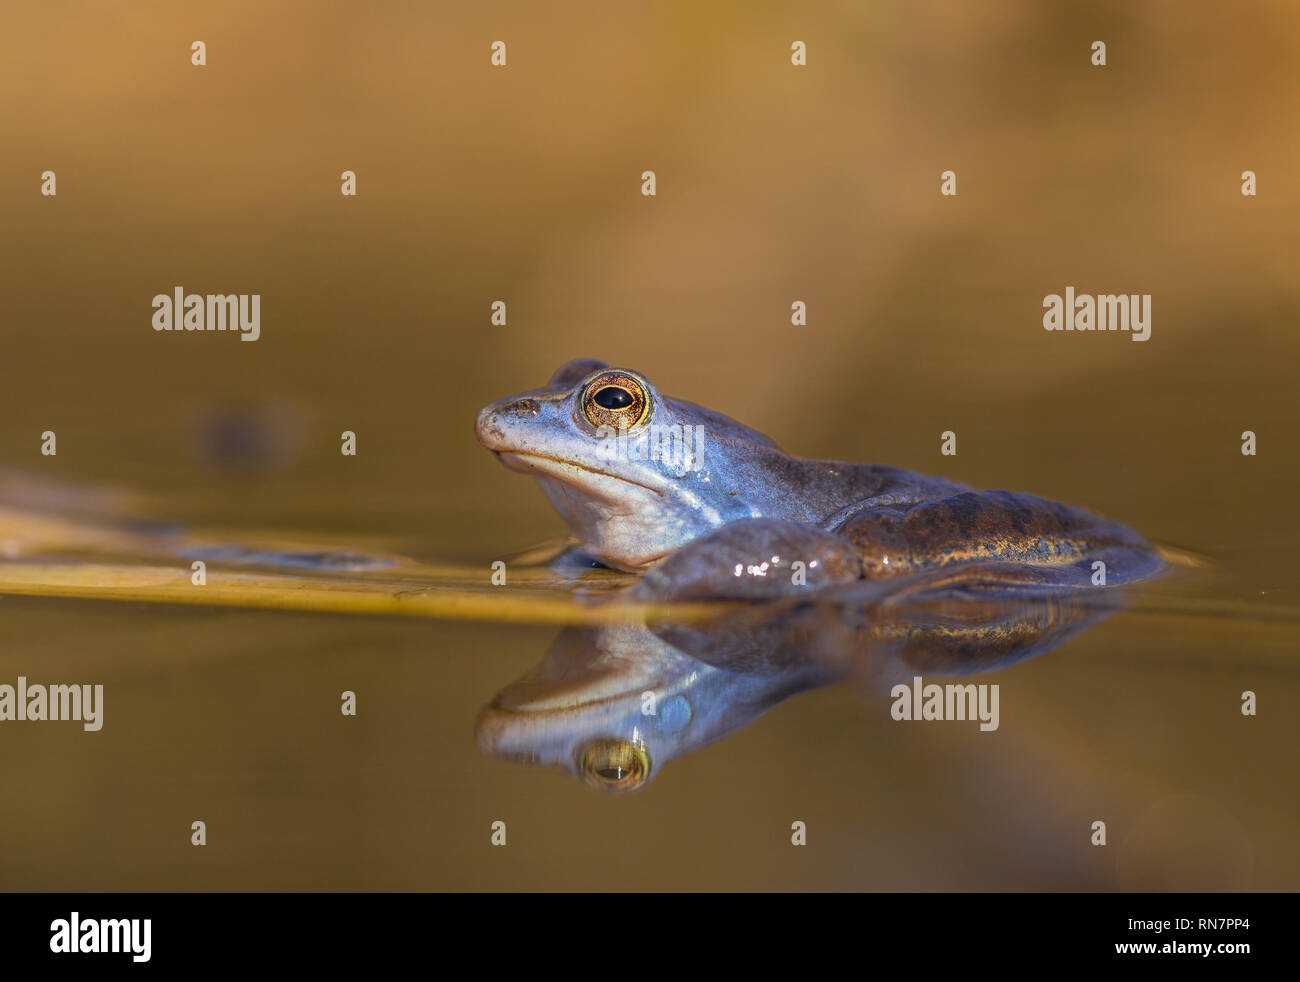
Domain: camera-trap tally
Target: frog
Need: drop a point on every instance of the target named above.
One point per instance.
(702, 506)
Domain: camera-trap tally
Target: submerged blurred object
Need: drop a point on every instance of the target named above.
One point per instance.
(248, 438)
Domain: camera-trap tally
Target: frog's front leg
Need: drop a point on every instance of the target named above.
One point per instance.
(1043, 541)
(752, 558)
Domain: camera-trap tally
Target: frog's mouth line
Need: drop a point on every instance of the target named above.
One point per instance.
(533, 461)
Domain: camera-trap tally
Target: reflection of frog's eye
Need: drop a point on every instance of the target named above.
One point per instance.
(615, 399)
(614, 765)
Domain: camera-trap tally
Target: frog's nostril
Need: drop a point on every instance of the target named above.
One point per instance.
(524, 407)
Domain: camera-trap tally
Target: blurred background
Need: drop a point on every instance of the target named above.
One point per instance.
(775, 184)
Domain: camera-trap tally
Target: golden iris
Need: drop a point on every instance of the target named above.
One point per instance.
(615, 399)
(614, 765)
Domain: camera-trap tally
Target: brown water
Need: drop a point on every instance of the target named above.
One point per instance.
(924, 315)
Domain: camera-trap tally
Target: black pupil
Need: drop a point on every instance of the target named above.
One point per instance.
(613, 397)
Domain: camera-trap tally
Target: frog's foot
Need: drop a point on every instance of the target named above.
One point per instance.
(1031, 542)
(753, 558)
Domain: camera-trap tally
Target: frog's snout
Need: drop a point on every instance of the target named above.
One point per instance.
(488, 427)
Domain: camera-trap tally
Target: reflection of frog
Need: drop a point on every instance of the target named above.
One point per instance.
(593, 438)
(613, 704)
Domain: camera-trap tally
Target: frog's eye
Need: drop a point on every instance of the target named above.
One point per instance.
(615, 399)
(614, 765)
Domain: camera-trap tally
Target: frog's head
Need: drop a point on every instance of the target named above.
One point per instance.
(634, 473)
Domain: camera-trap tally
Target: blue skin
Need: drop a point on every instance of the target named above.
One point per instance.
(744, 510)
